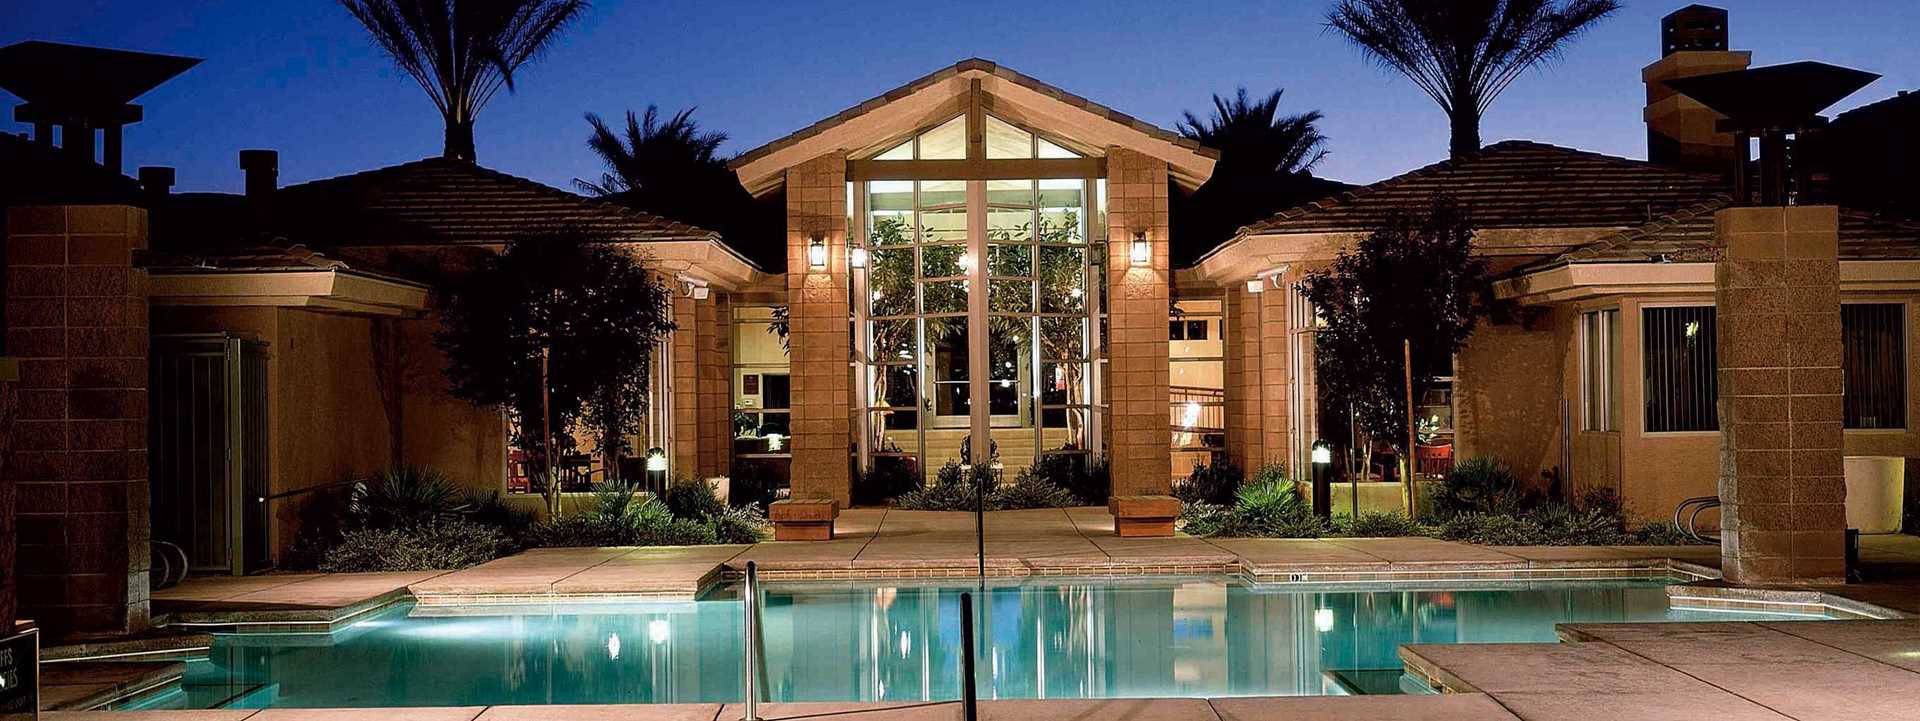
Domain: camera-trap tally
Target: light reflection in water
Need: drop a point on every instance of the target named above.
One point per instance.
(900, 642)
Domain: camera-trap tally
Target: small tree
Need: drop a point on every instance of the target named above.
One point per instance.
(1413, 279)
(588, 308)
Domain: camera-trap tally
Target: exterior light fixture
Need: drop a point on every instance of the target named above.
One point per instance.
(1142, 251)
(656, 459)
(1256, 286)
(966, 261)
(856, 257)
(1322, 455)
(817, 252)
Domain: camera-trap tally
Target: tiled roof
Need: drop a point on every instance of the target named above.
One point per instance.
(991, 68)
(442, 201)
(1512, 184)
(1687, 236)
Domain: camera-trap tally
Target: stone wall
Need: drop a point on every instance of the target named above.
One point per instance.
(1245, 437)
(77, 320)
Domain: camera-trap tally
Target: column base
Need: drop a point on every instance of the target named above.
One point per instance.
(803, 519)
(1143, 516)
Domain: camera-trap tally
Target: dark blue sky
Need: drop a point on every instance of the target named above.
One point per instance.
(300, 77)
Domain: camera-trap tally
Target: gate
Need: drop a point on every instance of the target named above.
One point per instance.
(207, 449)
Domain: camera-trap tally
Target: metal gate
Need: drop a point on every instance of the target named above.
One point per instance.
(208, 449)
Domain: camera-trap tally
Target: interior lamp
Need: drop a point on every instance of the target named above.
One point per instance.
(1142, 251)
(817, 252)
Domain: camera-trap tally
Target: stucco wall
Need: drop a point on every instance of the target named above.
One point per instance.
(1507, 393)
(464, 441)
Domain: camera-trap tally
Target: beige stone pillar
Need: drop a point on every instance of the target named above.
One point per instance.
(820, 331)
(1778, 315)
(716, 385)
(1245, 437)
(1137, 319)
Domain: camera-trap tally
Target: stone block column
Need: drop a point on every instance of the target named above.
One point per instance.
(684, 350)
(1777, 296)
(77, 320)
(716, 385)
(820, 332)
(1276, 360)
(1245, 437)
(1137, 319)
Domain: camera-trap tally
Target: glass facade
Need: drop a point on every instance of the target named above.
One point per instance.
(945, 369)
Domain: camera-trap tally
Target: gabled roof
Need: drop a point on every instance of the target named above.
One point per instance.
(1512, 184)
(440, 201)
(1687, 236)
(1190, 162)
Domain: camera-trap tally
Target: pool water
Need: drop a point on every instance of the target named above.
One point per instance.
(899, 641)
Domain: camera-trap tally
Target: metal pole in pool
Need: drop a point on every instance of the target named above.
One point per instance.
(751, 623)
(968, 702)
(980, 520)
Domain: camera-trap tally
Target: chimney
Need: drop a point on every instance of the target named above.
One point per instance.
(263, 172)
(156, 180)
(1681, 132)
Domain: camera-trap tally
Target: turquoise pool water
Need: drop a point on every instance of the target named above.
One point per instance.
(899, 641)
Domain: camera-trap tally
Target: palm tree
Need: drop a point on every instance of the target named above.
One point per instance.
(672, 168)
(1464, 53)
(1253, 137)
(1266, 160)
(463, 51)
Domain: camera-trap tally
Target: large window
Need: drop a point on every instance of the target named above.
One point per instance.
(1874, 372)
(946, 369)
(1681, 374)
(762, 394)
(1599, 336)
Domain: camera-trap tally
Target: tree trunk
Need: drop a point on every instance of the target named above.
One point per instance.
(459, 144)
(1466, 132)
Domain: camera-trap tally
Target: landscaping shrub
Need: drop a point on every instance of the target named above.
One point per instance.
(885, 481)
(1264, 510)
(1030, 490)
(621, 517)
(745, 524)
(449, 545)
(1491, 529)
(1376, 524)
(1215, 483)
(492, 510)
(1087, 479)
(694, 499)
(1475, 485)
(403, 497)
(1661, 533)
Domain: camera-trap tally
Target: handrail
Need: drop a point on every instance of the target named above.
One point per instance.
(1692, 508)
(969, 701)
(750, 598)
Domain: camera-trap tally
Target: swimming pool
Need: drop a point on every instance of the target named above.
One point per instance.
(899, 641)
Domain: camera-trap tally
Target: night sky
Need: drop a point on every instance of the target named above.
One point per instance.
(300, 76)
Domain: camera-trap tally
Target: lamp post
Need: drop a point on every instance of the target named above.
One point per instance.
(1322, 487)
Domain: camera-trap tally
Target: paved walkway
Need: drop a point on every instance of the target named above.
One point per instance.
(1771, 671)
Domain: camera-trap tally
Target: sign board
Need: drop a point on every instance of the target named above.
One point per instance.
(20, 676)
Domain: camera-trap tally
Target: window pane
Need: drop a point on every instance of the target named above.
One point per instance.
(1006, 141)
(942, 261)
(1063, 280)
(1680, 369)
(1874, 373)
(1010, 261)
(1060, 203)
(1049, 150)
(893, 340)
(1011, 296)
(946, 142)
(1598, 334)
(903, 151)
(944, 296)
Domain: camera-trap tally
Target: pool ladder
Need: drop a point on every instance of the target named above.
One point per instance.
(1691, 510)
(754, 674)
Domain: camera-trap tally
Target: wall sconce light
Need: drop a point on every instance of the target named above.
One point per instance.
(1142, 251)
(856, 257)
(817, 252)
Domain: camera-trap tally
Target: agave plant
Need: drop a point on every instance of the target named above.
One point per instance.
(404, 497)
